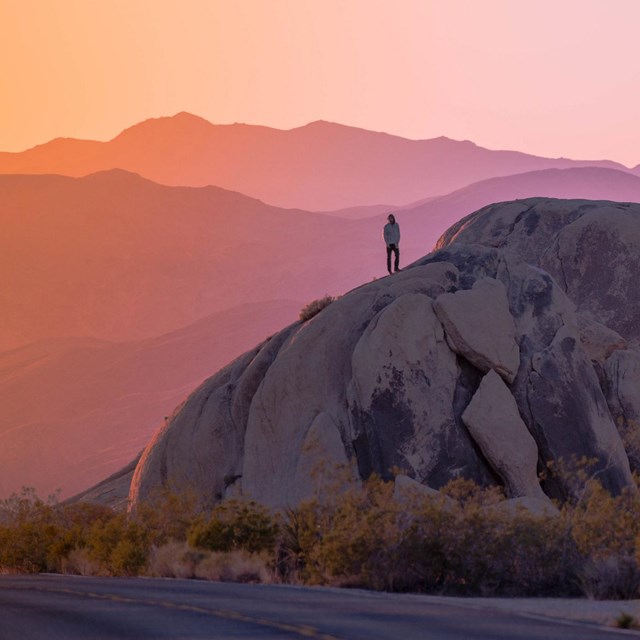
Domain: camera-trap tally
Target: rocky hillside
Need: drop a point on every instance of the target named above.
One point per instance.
(514, 344)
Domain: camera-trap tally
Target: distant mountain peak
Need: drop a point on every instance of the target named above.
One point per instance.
(181, 121)
(116, 174)
(186, 115)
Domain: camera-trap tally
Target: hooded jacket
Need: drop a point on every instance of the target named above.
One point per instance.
(392, 233)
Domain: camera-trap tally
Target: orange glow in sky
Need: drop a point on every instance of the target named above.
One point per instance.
(550, 77)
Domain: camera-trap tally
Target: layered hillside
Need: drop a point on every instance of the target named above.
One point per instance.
(116, 257)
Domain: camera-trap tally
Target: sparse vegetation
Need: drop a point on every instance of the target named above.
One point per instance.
(315, 307)
(626, 621)
(458, 542)
(235, 525)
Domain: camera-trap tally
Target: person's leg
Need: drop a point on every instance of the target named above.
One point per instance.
(396, 250)
(389, 258)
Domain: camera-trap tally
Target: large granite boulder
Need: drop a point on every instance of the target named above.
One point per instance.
(472, 362)
(592, 250)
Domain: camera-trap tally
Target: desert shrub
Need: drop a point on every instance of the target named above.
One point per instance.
(28, 534)
(606, 531)
(233, 525)
(74, 522)
(80, 563)
(461, 540)
(463, 543)
(626, 621)
(121, 545)
(235, 566)
(169, 515)
(174, 560)
(353, 541)
(456, 542)
(24, 547)
(614, 577)
(179, 560)
(315, 307)
(605, 525)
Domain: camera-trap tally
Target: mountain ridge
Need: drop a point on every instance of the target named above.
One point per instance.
(320, 166)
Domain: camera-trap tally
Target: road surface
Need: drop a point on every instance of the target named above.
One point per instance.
(69, 608)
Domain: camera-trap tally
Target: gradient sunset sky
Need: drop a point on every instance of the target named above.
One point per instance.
(550, 77)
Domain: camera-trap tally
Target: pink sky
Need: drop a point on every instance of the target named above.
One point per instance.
(550, 77)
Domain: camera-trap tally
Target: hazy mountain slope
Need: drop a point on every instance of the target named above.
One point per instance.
(320, 166)
(422, 225)
(117, 257)
(74, 411)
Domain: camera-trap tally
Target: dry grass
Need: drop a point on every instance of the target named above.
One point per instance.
(179, 560)
(80, 563)
(236, 566)
(315, 307)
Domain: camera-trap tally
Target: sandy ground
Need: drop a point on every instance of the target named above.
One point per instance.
(572, 610)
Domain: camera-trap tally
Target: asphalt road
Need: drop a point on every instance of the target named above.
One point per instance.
(69, 608)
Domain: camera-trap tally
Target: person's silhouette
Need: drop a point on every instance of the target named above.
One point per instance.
(392, 238)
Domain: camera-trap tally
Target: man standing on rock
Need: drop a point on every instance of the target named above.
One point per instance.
(392, 238)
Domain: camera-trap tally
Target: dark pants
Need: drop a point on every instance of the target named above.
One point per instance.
(396, 249)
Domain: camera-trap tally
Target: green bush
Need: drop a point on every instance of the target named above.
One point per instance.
(28, 534)
(169, 515)
(233, 525)
(120, 545)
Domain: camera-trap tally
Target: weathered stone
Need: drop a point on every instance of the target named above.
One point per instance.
(406, 489)
(596, 259)
(569, 414)
(401, 397)
(538, 305)
(480, 328)
(198, 448)
(622, 374)
(323, 466)
(597, 340)
(112, 491)
(494, 423)
(308, 377)
(432, 280)
(591, 248)
(524, 228)
(622, 370)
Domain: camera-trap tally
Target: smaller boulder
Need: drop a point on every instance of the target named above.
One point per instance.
(596, 340)
(495, 424)
(479, 327)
